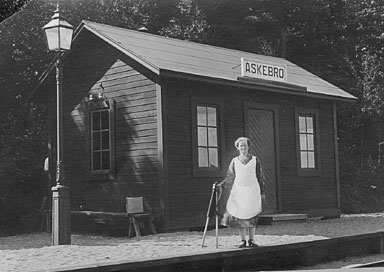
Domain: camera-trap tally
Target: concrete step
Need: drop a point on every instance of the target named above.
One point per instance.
(269, 219)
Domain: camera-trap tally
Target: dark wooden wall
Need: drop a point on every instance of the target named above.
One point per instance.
(189, 195)
(133, 95)
(316, 195)
(137, 172)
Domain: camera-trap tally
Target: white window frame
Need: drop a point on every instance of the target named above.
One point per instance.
(307, 142)
(208, 171)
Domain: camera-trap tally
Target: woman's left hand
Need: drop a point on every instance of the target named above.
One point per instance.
(263, 197)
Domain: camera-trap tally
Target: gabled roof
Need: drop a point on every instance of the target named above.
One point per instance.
(163, 55)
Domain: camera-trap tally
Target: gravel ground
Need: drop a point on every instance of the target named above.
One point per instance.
(32, 252)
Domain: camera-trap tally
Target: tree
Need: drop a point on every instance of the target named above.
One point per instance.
(9, 7)
(365, 57)
(188, 23)
(22, 150)
(340, 41)
(24, 56)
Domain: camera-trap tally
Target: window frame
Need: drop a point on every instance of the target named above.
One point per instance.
(208, 171)
(305, 112)
(97, 106)
(101, 132)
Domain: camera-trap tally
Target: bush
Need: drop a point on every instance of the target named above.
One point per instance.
(22, 151)
(19, 204)
(362, 189)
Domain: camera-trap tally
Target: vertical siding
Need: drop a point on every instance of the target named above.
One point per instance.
(105, 70)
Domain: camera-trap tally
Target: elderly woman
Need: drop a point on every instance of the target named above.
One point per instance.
(242, 193)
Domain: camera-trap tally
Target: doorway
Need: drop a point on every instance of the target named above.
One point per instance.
(261, 129)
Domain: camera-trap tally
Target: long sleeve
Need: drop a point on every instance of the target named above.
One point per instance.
(230, 174)
(260, 175)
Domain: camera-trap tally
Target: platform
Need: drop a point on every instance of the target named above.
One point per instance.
(287, 256)
(269, 219)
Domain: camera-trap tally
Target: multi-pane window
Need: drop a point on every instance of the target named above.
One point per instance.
(207, 136)
(100, 140)
(307, 142)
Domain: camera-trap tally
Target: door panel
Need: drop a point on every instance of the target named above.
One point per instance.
(262, 135)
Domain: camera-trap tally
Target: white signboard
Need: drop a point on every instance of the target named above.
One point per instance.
(268, 71)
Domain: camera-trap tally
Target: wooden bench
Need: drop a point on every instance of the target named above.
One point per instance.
(136, 220)
(139, 219)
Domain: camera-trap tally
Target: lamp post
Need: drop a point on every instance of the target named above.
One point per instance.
(59, 38)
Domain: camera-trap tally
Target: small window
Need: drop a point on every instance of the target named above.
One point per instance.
(308, 142)
(100, 140)
(208, 138)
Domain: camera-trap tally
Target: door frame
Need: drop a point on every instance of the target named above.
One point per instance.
(274, 109)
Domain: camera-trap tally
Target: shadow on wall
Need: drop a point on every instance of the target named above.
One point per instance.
(136, 166)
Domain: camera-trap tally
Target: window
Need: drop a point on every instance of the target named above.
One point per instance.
(307, 142)
(208, 137)
(100, 140)
(207, 140)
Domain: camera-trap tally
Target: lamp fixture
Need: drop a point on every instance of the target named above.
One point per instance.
(58, 33)
(97, 97)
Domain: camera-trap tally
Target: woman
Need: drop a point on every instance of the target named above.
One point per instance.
(242, 194)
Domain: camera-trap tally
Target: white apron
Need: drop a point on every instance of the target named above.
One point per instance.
(244, 201)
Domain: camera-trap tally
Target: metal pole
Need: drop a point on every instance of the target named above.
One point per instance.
(217, 218)
(61, 230)
(59, 122)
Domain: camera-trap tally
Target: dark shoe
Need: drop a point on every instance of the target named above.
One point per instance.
(252, 243)
(242, 244)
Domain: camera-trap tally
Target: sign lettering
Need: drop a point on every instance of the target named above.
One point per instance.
(268, 71)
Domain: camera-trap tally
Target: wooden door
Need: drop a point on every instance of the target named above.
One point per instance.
(260, 128)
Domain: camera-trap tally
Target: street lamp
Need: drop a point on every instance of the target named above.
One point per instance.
(59, 38)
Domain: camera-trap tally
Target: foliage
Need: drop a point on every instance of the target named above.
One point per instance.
(360, 125)
(338, 40)
(22, 151)
(24, 57)
(188, 23)
(362, 188)
(9, 7)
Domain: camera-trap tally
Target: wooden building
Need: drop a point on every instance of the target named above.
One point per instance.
(150, 116)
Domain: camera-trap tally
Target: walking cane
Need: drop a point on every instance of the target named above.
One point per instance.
(209, 208)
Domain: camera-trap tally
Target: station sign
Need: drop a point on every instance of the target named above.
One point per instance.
(263, 70)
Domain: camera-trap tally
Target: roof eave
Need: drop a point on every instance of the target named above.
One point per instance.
(288, 89)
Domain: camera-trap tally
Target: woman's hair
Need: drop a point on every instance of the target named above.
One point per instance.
(240, 139)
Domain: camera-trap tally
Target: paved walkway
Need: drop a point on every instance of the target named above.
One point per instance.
(32, 252)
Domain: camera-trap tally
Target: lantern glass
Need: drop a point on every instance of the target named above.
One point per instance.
(65, 38)
(52, 38)
(59, 38)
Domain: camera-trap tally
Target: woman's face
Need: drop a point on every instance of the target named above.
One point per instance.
(243, 147)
